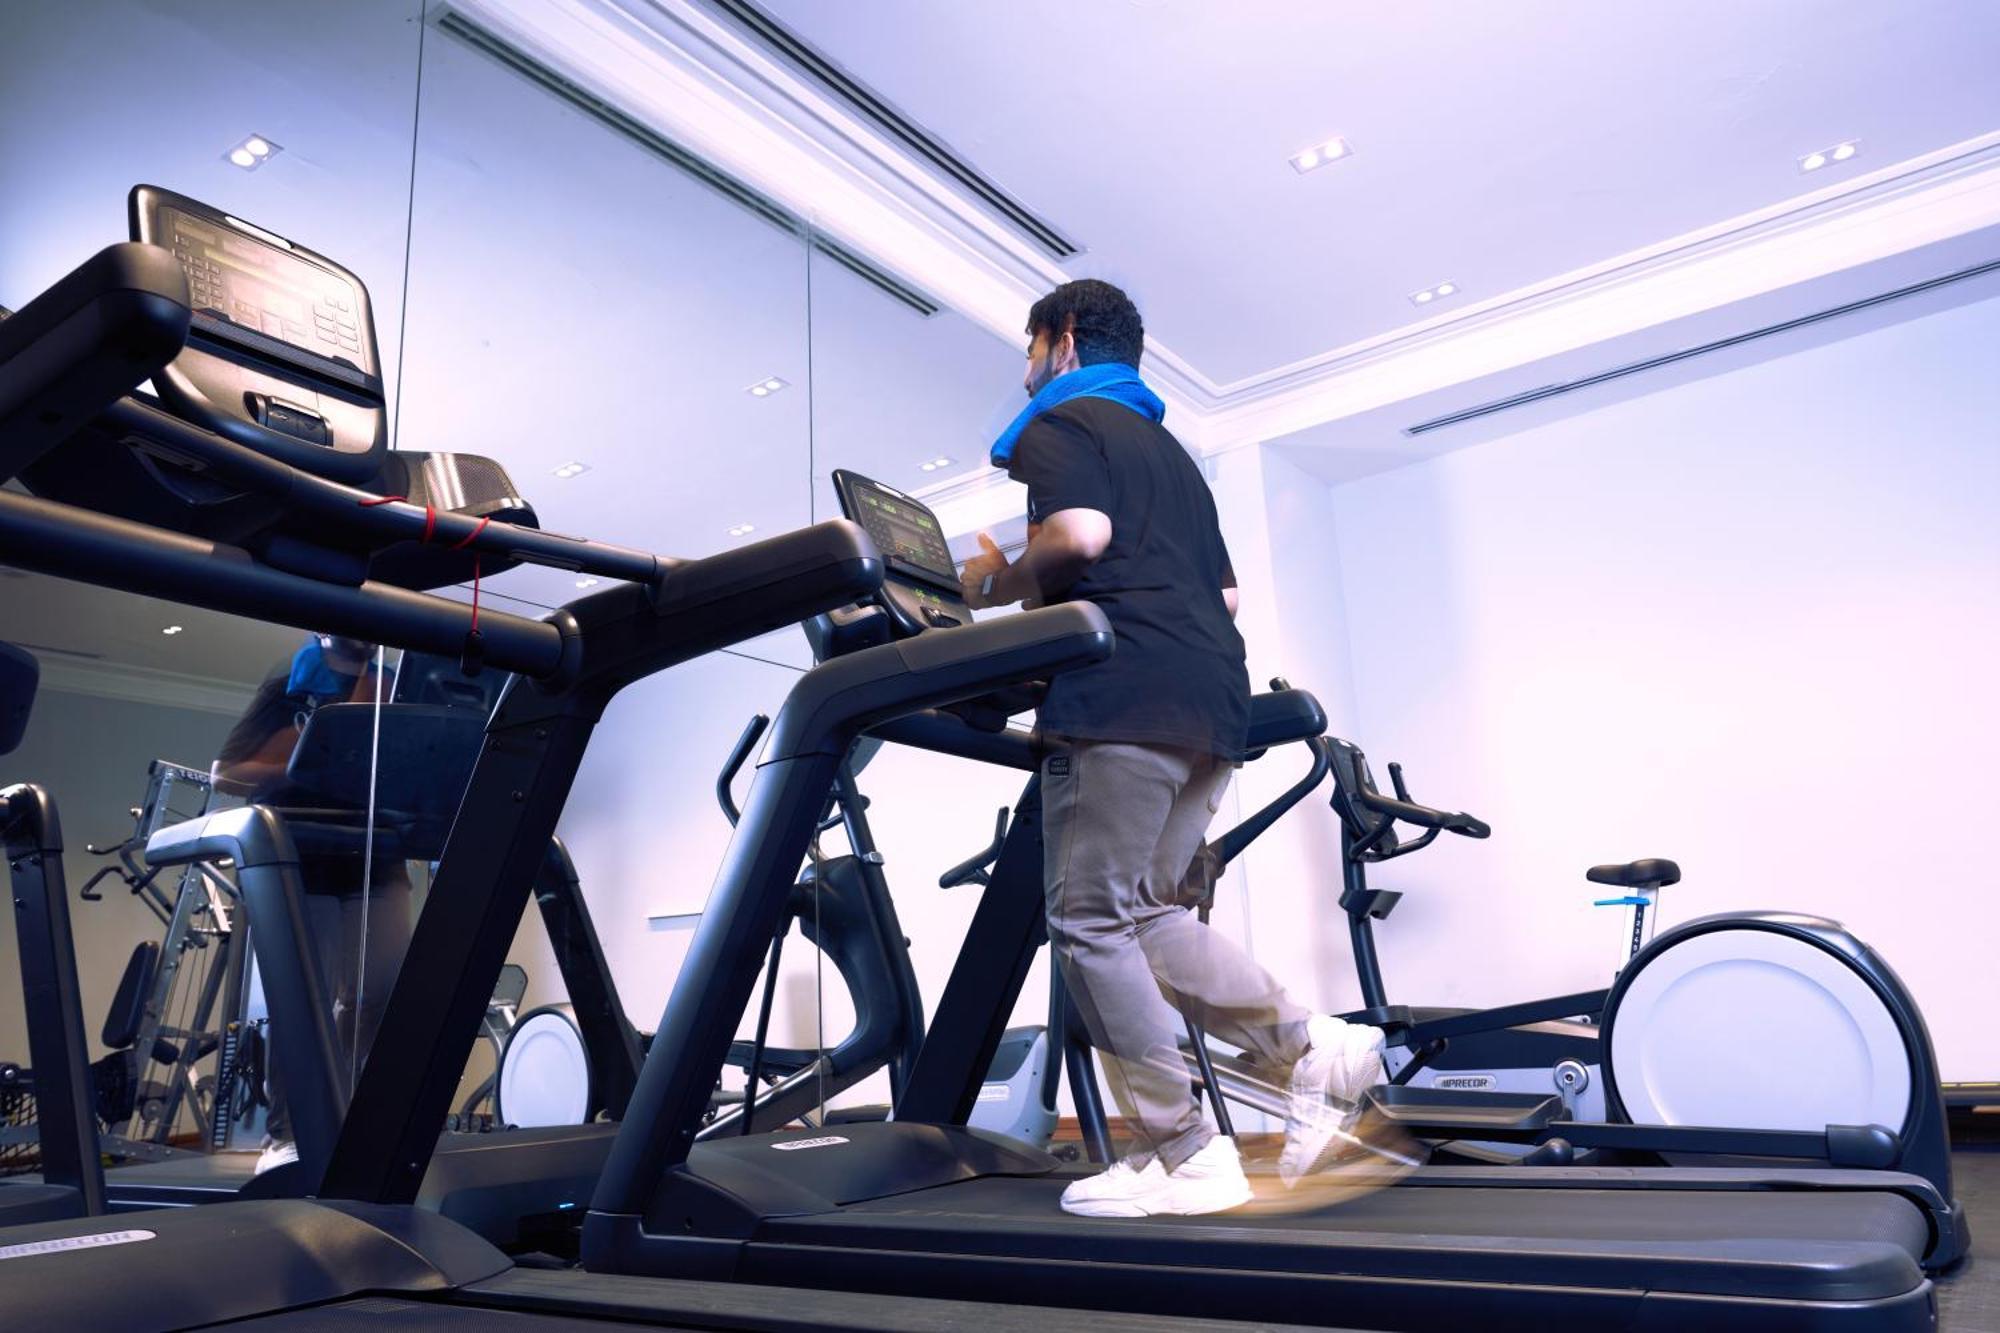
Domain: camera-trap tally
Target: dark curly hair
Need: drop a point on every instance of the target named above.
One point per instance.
(1102, 318)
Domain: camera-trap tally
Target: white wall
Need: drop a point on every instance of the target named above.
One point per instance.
(1281, 899)
(1746, 622)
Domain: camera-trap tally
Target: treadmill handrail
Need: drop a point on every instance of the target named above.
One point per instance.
(247, 835)
(51, 537)
(384, 521)
(841, 697)
(947, 733)
(828, 707)
(79, 346)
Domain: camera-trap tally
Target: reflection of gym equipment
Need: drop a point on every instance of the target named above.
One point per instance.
(502, 1011)
(504, 1182)
(177, 1041)
(270, 439)
(46, 1123)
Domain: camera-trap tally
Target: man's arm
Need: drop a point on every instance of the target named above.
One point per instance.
(259, 747)
(1060, 549)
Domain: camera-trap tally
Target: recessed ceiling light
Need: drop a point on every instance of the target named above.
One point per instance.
(1820, 157)
(587, 583)
(1437, 293)
(743, 529)
(253, 152)
(934, 464)
(171, 629)
(1319, 155)
(568, 470)
(764, 388)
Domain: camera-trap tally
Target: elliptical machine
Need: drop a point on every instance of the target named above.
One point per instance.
(1655, 1069)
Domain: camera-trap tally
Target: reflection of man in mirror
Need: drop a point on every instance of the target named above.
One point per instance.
(327, 669)
(360, 936)
(1143, 745)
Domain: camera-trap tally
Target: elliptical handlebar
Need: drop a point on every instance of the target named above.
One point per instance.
(1451, 821)
(1355, 791)
(973, 869)
(752, 733)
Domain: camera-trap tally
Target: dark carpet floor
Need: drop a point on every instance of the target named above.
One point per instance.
(1969, 1297)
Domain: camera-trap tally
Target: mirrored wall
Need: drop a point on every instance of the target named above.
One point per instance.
(297, 117)
(657, 355)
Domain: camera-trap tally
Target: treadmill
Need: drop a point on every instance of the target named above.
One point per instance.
(924, 1205)
(517, 1187)
(919, 1206)
(362, 1250)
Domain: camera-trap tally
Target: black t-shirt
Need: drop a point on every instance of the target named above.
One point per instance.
(272, 711)
(1177, 676)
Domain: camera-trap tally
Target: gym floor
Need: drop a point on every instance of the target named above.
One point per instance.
(1969, 1299)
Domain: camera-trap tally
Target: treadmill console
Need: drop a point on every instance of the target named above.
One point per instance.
(921, 589)
(919, 593)
(281, 356)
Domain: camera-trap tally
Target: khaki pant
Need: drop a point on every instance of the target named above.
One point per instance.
(1122, 823)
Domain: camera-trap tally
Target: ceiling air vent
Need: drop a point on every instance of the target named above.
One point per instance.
(1688, 353)
(856, 94)
(652, 141)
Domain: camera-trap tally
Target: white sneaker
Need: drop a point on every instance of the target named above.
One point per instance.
(1209, 1182)
(1342, 1061)
(1110, 1192)
(276, 1155)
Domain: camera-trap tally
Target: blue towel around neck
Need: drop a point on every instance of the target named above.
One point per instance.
(312, 675)
(1108, 379)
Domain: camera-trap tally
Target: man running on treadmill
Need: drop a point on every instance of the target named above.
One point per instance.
(344, 929)
(1143, 748)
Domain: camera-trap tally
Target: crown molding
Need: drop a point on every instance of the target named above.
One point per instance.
(697, 79)
(143, 685)
(1902, 208)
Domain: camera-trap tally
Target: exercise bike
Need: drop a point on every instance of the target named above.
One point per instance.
(1724, 1041)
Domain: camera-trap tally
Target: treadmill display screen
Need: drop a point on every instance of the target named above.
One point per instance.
(261, 287)
(903, 529)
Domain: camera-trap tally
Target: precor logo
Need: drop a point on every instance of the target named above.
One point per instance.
(1466, 1082)
(89, 1242)
(827, 1142)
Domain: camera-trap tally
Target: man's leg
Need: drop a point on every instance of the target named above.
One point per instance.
(371, 966)
(1323, 1063)
(1206, 975)
(323, 932)
(1104, 809)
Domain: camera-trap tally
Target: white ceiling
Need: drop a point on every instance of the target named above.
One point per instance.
(1496, 145)
(576, 298)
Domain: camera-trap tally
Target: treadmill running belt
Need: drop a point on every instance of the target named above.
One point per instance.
(394, 1315)
(1398, 1258)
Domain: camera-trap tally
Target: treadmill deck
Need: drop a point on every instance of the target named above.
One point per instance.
(1406, 1257)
